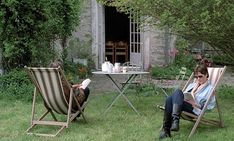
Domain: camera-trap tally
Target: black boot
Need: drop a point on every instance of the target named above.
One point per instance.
(175, 117)
(165, 132)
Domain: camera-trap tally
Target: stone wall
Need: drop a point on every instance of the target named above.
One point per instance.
(84, 30)
(79, 45)
(160, 45)
(157, 54)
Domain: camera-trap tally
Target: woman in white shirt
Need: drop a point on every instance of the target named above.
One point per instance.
(176, 103)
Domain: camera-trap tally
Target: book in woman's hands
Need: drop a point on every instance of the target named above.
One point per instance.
(188, 96)
(85, 83)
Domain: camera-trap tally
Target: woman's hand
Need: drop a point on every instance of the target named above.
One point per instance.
(76, 85)
(193, 103)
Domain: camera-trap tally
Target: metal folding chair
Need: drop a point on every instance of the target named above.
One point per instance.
(174, 84)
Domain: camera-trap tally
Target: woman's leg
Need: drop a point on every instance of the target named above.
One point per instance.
(187, 107)
(172, 113)
(177, 100)
(86, 92)
(165, 132)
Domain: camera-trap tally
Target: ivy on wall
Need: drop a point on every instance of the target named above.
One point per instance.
(28, 28)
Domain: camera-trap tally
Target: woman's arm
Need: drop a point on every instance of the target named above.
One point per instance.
(76, 85)
(193, 103)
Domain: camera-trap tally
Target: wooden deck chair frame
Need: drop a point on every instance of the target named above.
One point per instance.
(215, 75)
(48, 84)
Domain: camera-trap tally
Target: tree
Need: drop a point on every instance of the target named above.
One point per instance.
(29, 27)
(211, 21)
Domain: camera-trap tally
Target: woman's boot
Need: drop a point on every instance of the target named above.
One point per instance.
(165, 132)
(176, 111)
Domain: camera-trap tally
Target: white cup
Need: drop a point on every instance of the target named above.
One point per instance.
(124, 69)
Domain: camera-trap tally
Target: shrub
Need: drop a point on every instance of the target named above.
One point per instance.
(28, 29)
(222, 60)
(183, 59)
(16, 85)
(76, 71)
(168, 72)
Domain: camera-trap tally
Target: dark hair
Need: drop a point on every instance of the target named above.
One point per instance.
(56, 64)
(202, 69)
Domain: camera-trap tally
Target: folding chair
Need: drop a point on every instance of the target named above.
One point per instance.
(176, 83)
(49, 85)
(134, 67)
(140, 82)
(215, 75)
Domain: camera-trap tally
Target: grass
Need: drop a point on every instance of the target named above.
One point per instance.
(121, 123)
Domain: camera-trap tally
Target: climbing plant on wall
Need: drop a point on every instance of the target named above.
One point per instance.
(28, 28)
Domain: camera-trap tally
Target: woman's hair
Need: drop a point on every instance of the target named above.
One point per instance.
(202, 69)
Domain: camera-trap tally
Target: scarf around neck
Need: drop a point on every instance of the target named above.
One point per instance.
(197, 88)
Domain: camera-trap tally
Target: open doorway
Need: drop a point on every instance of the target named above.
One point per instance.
(117, 34)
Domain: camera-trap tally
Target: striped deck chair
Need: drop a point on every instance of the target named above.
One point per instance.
(215, 75)
(48, 84)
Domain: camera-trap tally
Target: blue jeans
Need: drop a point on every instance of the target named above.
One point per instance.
(177, 98)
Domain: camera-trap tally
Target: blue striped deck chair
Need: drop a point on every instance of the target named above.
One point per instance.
(215, 75)
(48, 85)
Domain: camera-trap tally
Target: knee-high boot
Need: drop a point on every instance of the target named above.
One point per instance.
(176, 111)
(165, 132)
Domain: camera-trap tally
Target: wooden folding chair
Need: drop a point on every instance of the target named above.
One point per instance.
(49, 85)
(215, 75)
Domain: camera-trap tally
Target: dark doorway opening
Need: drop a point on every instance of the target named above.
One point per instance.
(117, 35)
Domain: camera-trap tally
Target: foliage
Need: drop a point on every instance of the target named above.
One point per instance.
(80, 49)
(16, 85)
(222, 59)
(76, 71)
(80, 53)
(168, 72)
(182, 59)
(210, 21)
(28, 29)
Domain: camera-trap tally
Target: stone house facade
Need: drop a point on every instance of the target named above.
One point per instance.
(101, 25)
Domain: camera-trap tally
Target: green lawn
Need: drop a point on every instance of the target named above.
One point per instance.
(121, 123)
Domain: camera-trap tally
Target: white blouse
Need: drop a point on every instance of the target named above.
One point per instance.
(202, 96)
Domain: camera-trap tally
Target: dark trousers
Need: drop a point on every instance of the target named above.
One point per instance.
(86, 92)
(177, 98)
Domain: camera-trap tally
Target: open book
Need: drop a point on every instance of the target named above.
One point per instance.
(188, 96)
(85, 83)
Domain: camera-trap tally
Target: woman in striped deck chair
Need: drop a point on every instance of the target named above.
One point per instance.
(81, 94)
(176, 103)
